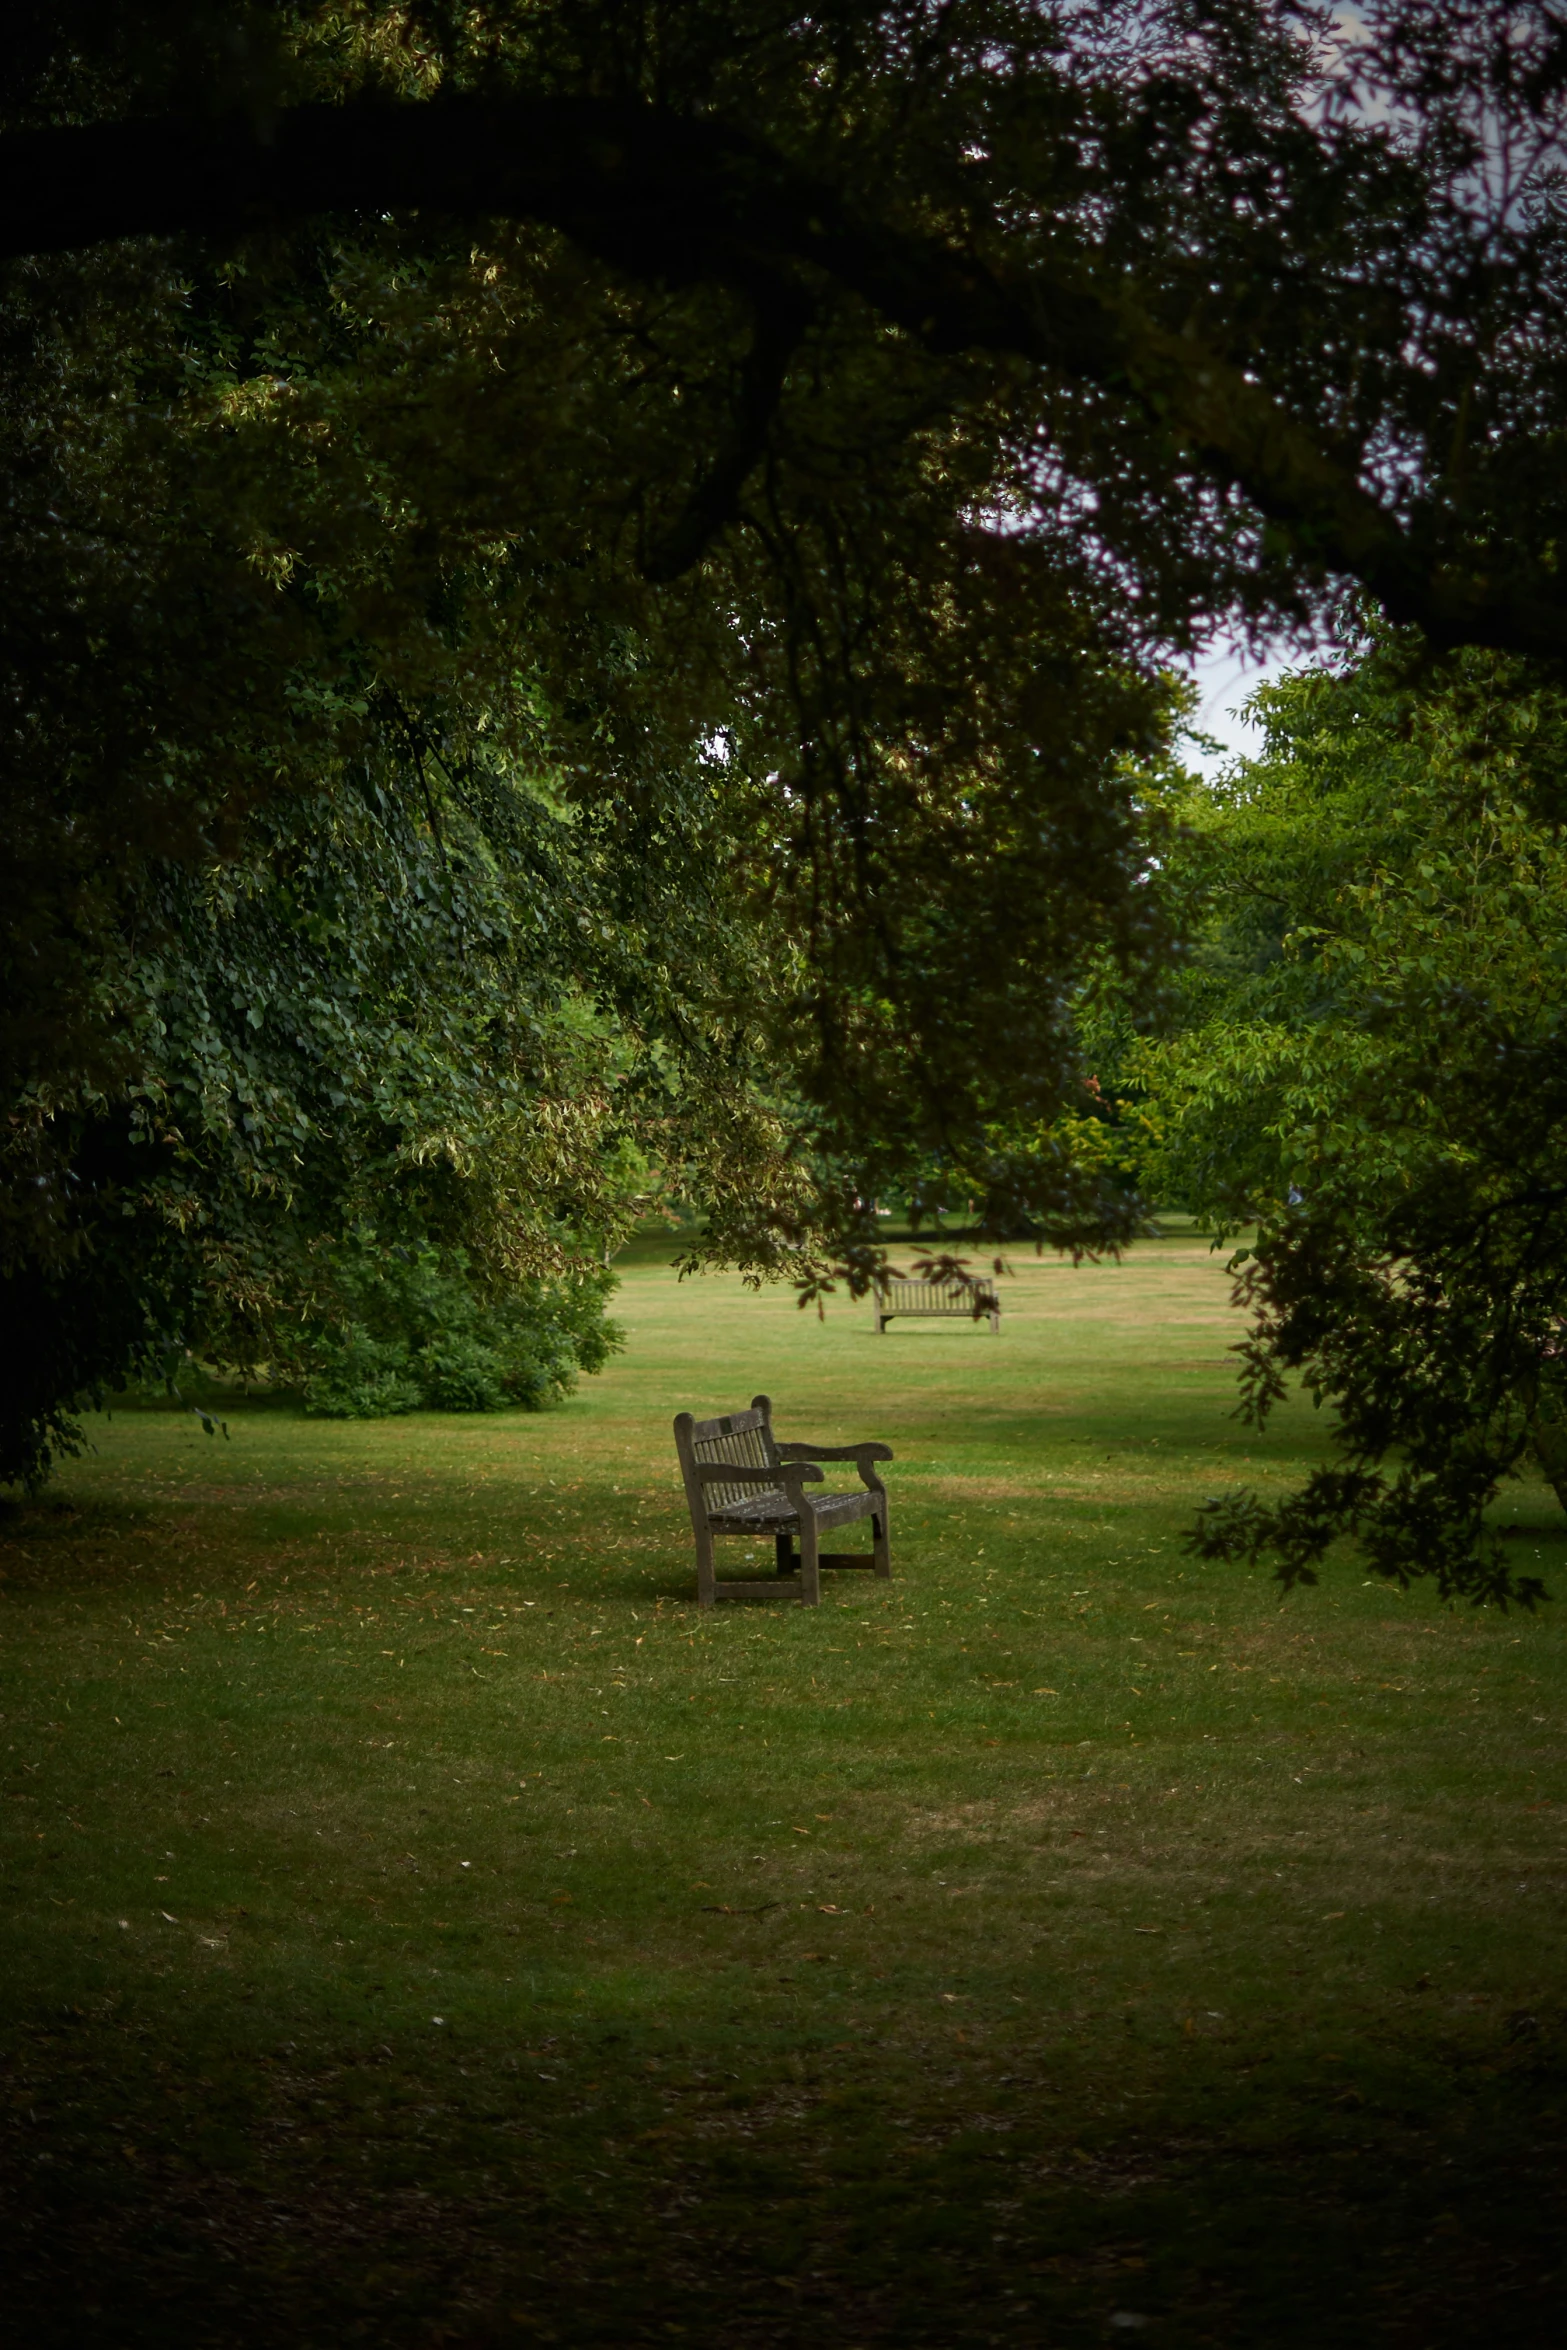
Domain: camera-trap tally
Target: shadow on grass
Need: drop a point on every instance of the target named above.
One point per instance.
(603, 2186)
(33, 1528)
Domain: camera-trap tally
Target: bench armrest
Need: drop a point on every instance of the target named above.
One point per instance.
(835, 1452)
(864, 1457)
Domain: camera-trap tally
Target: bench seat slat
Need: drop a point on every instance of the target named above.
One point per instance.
(833, 1509)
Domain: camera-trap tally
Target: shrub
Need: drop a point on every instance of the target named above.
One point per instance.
(412, 1330)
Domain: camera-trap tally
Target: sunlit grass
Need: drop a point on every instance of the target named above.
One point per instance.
(418, 1914)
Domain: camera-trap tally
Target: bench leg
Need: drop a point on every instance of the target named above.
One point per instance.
(810, 1563)
(706, 1595)
(881, 1540)
(783, 1550)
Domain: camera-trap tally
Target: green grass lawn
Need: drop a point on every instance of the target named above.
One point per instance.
(421, 1925)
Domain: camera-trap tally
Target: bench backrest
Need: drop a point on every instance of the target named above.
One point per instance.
(939, 1297)
(746, 1438)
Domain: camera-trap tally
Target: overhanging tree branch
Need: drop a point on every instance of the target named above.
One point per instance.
(676, 200)
(782, 316)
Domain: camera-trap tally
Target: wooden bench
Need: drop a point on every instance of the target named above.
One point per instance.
(946, 1301)
(740, 1480)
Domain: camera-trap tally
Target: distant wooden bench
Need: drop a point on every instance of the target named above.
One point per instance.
(740, 1480)
(946, 1301)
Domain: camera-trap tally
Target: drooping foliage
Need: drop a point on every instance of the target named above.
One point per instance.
(1368, 1066)
(424, 1048)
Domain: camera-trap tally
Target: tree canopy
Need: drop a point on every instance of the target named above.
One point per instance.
(1279, 289)
(806, 433)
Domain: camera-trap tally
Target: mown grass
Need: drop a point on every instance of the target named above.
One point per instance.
(421, 1925)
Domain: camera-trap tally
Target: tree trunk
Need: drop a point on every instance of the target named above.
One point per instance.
(1548, 1433)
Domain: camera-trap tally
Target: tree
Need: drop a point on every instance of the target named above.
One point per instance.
(1368, 1064)
(855, 408)
(398, 1078)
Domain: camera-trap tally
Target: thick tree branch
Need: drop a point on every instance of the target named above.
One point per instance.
(782, 316)
(677, 200)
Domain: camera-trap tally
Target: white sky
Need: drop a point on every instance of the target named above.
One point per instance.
(1224, 679)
